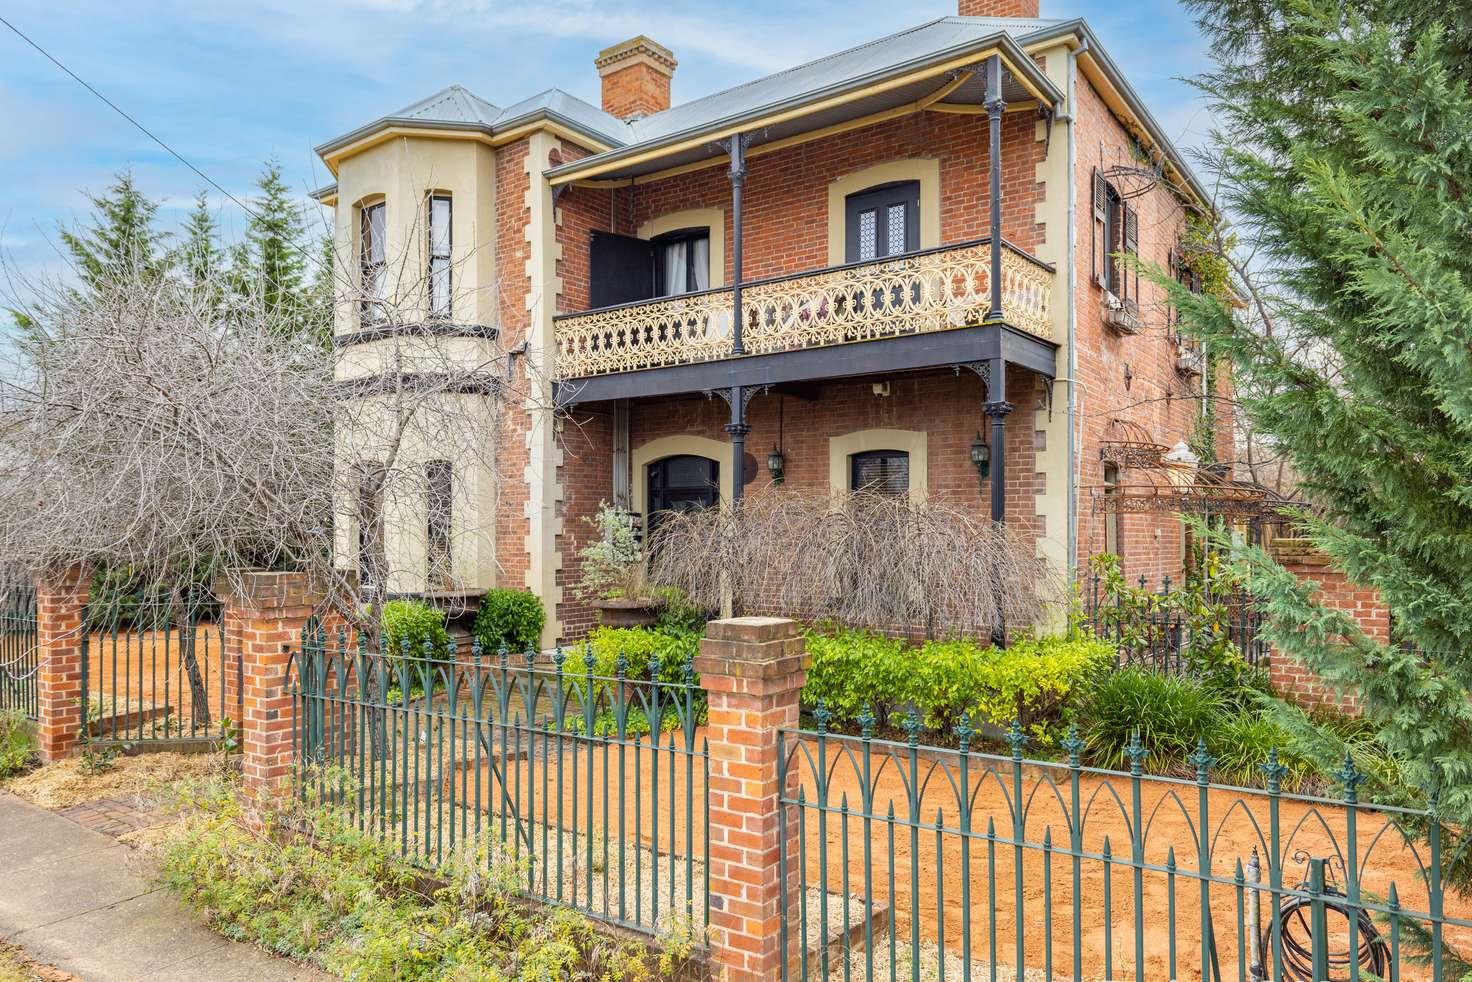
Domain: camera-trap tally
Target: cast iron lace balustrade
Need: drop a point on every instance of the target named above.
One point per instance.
(934, 290)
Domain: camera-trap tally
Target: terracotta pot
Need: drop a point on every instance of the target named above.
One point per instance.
(625, 612)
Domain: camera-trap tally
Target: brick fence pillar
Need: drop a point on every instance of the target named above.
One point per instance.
(60, 599)
(1362, 604)
(753, 669)
(264, 616)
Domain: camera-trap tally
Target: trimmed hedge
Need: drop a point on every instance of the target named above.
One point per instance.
(1033, 681)
(416, 623)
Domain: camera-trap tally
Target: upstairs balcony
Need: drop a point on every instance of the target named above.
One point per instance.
(840, 308)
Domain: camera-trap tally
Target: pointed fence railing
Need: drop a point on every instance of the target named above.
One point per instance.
(544, 757)
(18, 652)
(965, 865)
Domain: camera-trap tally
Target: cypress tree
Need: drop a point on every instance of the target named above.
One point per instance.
(120, 235)
(1345, 156)
(200, 257)
(274, 253)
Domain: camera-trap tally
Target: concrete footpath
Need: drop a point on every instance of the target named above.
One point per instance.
(78, 900)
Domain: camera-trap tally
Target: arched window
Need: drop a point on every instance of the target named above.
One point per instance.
(373, 260)
(880, 472)
(882, 221)
(681, 483)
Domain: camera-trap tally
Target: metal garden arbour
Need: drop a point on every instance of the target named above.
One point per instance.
(539, 755)
(957, 864)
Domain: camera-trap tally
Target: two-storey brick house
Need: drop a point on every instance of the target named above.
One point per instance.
(875, 269)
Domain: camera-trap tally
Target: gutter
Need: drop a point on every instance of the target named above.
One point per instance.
(488, 129)
(1019, 61)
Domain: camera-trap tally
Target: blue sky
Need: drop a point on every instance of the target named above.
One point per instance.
(229, 84)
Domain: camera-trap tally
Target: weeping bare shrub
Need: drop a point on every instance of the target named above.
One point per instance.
(862, 559)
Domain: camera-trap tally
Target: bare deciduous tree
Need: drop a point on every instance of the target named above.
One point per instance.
(862, 559)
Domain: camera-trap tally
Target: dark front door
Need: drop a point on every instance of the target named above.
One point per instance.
(682, 483)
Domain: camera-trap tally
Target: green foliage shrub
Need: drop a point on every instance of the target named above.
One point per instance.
(416, 623)
(312, 886)
(1170, 713)
(1032, 681)
(17, 744)
(510, 617)
(638, 645)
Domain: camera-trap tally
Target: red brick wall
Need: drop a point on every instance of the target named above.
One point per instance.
(1156, 397)
(512, 288)
(786, 204)
(944, 405)
(1290, 679)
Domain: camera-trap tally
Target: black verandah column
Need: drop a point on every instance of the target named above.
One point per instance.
(995, 105)
(738, 427)
(997, 407)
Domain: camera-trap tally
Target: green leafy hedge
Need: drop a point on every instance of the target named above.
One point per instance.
(511, 617)
(638, 645)
(1034, 680)
(413, 622)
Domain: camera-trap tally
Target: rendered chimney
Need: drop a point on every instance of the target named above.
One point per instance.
(636, 77)
(997, 8)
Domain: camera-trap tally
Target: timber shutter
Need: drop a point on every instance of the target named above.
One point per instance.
(620, 270)
(1130, 244)
(1100, 237)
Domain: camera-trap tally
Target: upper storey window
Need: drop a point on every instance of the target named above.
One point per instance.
(681, 262)
(373, 261)
(439, 255)
(882, 221)
(1116, 232)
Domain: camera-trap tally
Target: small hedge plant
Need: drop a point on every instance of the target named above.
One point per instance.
(510, 617)
(1033, 681)
(416, 623)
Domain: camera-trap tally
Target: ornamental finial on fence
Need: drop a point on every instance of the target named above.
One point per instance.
(558, 657)
(621, 664)
(866, 722)
(1349, 778)
(530, 655)
(588, 658)
(655, 665)
(1073, 746)
(503, 654)
(964, 732)
(1274, 770)
(1016, 739)
(822, 715)
(1203, 760)
(1136, 753)
(912, 726)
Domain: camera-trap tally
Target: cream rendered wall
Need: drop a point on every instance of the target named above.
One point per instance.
(1051, 422)
(455, 427)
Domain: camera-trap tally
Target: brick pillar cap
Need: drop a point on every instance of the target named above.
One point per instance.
(753, 630)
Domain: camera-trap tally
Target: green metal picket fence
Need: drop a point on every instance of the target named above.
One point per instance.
(928, 863)
(18, 661)
(155, 670)
(537, 754)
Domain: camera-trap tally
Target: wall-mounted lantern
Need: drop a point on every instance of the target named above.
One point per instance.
(777, 465)
(981, 459)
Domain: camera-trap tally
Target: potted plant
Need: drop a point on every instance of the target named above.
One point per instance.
(613, 576)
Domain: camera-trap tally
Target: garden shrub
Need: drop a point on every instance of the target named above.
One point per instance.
(511, 617)
(638, 645)
(415, 623)
(1031, 681)
(1170, 712)
(678, 613)
(310, 885)
(17, 744)
(854, 669)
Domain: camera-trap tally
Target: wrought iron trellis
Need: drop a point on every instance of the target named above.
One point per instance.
(1161, 636)
(954, 864)
(548, 757)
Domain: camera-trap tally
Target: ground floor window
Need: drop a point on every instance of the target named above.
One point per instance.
(681, 483)
(880, 472)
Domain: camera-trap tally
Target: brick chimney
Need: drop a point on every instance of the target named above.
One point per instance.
(636, 77)
(997, 8)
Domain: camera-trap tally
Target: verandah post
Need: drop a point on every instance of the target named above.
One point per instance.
(753, 669)
(61, 597)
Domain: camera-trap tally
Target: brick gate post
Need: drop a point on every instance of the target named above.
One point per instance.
(60, 599)
(753, 669)
(264, 616)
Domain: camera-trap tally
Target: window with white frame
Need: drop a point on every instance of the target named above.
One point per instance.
(440, 210)
(373, 261)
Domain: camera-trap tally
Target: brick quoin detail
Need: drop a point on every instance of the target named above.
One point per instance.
(60, 599)
(753, 668)
(1361, 604)
(266, 615)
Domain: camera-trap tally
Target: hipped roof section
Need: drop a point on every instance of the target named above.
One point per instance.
(885, 75)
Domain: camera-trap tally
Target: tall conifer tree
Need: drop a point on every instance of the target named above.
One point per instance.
(1345, 156)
